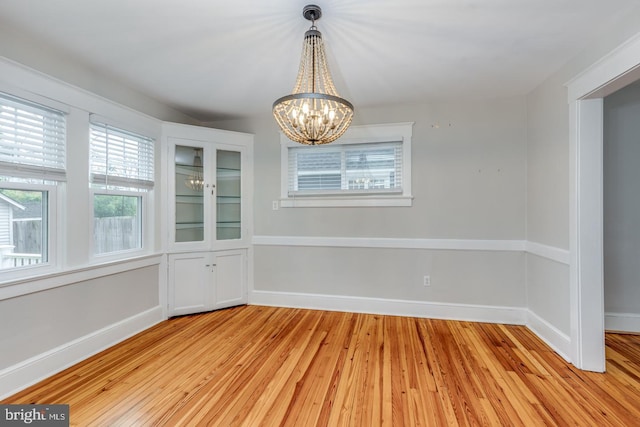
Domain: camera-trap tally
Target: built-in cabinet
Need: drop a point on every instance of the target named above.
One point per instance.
(204, 281)
(209, 217)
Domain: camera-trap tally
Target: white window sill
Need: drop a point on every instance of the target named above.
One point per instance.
(41, 280)
(343, 201)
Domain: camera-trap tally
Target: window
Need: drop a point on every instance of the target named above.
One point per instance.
(122, 173)
(371, 168)
(32, 164)
(368, 166)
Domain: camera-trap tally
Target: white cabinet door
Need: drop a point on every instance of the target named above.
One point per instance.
(230, 278)
(204, 281)
(191, 189)
(190, 283)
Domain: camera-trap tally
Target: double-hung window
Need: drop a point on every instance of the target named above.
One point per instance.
(368, 166)
(32, 166)
(122, 175)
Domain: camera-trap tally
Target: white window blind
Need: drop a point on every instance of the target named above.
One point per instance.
(32, 140)
(120, 158)
(345, 169)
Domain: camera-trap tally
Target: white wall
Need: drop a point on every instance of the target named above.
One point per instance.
(622, 209)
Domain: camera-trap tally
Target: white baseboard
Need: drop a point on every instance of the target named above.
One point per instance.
(465, 312)
(37, 368)
(554, 338)
(622, 322)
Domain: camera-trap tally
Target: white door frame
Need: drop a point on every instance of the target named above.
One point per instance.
(586, 279)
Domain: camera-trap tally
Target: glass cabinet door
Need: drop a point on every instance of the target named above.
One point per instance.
(228, 195)
(189, 197)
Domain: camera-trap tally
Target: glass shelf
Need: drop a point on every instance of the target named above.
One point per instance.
(191, 222)
(184, 225)
(189, 167)
(189, 203)
(228, 200)
(189, 198)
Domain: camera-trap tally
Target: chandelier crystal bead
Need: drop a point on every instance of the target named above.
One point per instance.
(314, 113)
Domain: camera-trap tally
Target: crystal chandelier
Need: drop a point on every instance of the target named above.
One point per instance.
(314, 113)
(195, 181)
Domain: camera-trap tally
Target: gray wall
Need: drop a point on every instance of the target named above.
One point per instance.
(38, 322)
(500, 171)
(547, 218)
(622, 201)
(468, 178)
(548, 174)
(39, 55)
(52, 321)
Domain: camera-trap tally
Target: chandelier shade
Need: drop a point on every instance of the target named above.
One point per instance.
(314, 113)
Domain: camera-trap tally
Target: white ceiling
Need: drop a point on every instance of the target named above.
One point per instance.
(214, 59)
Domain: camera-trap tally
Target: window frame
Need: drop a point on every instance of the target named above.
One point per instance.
(367, 134)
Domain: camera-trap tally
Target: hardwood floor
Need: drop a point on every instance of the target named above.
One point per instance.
(255, 365)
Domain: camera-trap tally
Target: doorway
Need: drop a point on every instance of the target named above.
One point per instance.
(621, 155)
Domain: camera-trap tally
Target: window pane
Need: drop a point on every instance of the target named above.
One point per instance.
(116, 223)
(319, 181)
(373, 168)
(317, 170)
(23, 227)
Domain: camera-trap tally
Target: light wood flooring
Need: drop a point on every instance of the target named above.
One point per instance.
(254, 365)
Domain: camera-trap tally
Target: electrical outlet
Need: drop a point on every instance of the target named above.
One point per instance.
(274, 205)
(427, 281)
